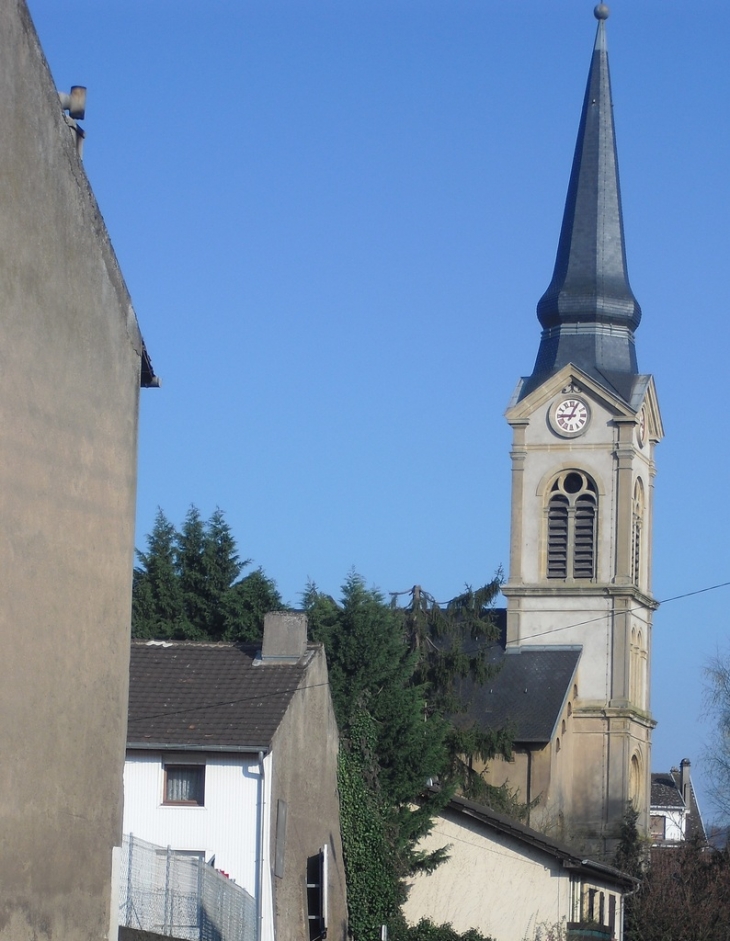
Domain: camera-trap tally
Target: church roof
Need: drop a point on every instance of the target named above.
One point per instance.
(527, 694)
(589, 312)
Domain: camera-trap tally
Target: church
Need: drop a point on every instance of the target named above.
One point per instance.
(574, 682)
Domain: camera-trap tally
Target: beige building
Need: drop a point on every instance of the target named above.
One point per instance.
(513, 883)
(71, 363)
(585, 426)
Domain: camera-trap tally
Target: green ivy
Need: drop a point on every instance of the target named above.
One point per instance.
(373, 888)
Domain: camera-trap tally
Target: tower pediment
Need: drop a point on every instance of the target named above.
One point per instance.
(573, 379)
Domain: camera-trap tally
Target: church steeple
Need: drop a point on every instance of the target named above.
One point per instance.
(585, 426)
(589, 312)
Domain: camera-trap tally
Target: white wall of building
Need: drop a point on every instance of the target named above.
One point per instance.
(227, 826)
(674, 824)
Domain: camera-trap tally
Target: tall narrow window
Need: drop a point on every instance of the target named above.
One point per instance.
(635, 787)
(638, 519)
(317, 895)
(571, 521)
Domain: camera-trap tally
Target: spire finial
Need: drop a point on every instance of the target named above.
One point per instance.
(601, 12)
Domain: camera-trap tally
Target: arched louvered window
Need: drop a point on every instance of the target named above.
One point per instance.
(571, 522)
(638, 521)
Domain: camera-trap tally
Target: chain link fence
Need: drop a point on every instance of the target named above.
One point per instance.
(177, 894)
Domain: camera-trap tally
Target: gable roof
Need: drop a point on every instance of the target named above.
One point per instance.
(518, 831)
(184, 694)
(666, 794)
(527, 694)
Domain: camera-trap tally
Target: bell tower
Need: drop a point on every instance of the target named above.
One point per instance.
(585, 426)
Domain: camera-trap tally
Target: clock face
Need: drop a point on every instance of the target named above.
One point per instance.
(570, 417)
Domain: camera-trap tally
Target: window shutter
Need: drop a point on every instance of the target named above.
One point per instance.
(557, 561)
(584, 553)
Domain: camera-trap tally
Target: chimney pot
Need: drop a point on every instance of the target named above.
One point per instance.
(684, 784)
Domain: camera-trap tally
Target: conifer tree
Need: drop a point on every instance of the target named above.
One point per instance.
(188, 584)
(450, 641)
(385, 669)
(157, 599)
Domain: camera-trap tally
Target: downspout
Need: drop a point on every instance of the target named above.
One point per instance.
(607, 781)
(529, 784)
(262, 831)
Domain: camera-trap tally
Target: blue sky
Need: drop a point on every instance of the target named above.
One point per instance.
(335, 220)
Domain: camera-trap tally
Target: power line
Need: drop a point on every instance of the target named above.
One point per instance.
(609, 614)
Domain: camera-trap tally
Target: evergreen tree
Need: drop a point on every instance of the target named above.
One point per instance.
(188, 584)
(191, 551)
(157, 599)
(394, 674)
(450, 642)
(390, 747)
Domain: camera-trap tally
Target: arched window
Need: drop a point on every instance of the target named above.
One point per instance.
(571, 522)
(635, 787)
(638, 519)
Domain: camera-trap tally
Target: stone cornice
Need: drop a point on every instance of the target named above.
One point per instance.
(564, 590)
(598, 711)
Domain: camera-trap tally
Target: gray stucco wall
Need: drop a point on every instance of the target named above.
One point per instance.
(69, 388)
(309, 787)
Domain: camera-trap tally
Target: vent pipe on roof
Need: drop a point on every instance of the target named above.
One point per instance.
(75, 103)
(285, 636)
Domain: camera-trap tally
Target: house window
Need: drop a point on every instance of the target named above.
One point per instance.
(185, 784)
(658, 827)
(571, 527)
(591, 906)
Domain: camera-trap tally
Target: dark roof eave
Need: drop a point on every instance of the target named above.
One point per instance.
(521, 832)
(179, 746)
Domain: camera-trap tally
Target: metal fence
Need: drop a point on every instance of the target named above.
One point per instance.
(177, 894)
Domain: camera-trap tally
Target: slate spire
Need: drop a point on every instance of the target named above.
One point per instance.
(589, 312)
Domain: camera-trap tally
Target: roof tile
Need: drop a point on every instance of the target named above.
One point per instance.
(197, 694)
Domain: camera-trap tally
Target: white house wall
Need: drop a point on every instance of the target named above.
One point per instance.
(227, 826)
(674, 824)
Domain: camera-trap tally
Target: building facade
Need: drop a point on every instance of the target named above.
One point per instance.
(71, 364)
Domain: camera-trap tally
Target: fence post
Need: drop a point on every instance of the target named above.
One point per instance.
(199, 906)
(130, 903)
(166, 923)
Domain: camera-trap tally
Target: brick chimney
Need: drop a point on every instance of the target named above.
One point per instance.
(285, 636)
